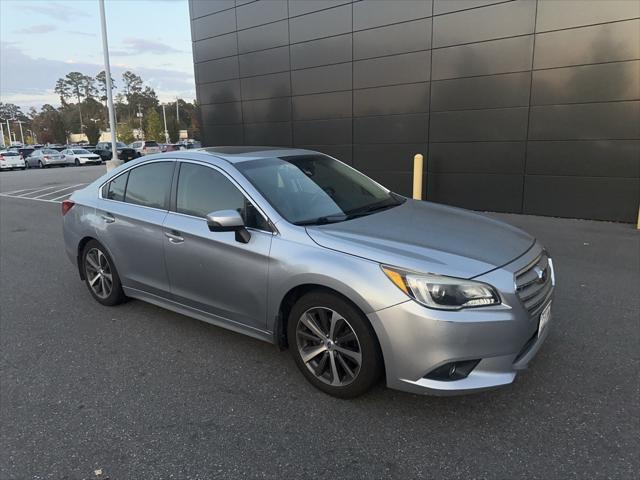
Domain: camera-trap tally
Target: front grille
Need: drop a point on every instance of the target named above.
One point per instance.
(534, 284)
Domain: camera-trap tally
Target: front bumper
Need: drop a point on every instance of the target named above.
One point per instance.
(416, 340)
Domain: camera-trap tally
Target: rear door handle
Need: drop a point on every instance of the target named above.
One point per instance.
(174, 237)
(108, 218)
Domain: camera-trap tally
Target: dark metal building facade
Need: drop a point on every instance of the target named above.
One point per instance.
(529, 106)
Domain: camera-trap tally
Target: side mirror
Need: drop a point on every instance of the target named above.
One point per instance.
(228, 221)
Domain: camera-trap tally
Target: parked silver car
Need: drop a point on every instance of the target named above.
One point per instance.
(145, 147)
(296, 248)
(45, 157)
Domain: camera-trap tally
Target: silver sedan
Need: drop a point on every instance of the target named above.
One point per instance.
(44, 158)
(296, 248)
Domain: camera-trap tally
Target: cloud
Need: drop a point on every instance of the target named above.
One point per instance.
(36, 29)
(85, 34)
(22, 81)
(141, 45)
(57, 10)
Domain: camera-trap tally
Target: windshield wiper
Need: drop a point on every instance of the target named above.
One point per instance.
(376, 207)
(360, 212)
(323, 220)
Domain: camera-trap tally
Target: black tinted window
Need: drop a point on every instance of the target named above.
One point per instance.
(150, 184)
(115, 189)
(202, 190)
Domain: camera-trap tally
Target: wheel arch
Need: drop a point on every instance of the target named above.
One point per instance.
(81, 244)
(291, 297)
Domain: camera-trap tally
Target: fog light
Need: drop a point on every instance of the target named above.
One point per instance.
(453, 371)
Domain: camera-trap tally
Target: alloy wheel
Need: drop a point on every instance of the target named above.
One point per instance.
(98, 273)
(328, 346)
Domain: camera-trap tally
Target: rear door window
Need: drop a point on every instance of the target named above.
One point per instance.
(150, 185)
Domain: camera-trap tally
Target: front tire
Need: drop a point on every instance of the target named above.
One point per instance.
(77, 162)
(334, 345)
(101, 275)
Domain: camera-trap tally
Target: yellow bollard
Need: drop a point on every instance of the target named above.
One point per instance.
(417, 176)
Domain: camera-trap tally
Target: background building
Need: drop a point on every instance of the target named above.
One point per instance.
(528, 106)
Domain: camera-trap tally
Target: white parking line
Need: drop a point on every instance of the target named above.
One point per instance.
(57, 191)
(62, 196)
(27, 198)
(36, 191)
(27, 193)
(18, 191)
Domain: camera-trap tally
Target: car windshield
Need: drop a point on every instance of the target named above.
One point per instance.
(316, 189)
(80, 151)
(50, 151)
(151, 144)
(9, 154)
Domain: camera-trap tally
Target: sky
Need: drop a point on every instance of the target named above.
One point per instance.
(43, 40)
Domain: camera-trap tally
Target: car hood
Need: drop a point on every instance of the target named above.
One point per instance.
(427, 237)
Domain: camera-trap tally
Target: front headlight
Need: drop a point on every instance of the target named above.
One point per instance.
(445, 293)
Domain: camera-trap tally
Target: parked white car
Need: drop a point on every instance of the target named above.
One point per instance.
(80, 156)
(145, 147)
(10, 160)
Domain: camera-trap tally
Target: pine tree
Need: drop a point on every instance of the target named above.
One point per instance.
(154, 129)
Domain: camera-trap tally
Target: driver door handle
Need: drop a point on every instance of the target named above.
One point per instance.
(174, 236)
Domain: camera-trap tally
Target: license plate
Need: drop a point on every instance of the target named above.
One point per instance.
(545, 316)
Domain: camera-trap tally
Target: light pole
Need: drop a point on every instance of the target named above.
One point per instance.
(20, 122)
(177, 112)
(33, 136)
(139, 115)
(114, 162)
(9, 131)
(1, 134)
(166, 132)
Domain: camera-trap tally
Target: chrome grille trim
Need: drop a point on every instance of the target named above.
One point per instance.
(534, 283)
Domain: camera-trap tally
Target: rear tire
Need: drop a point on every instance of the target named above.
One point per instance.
(40, 164)
(101, 276)
(334, 345)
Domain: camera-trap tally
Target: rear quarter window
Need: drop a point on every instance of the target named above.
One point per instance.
(115, 188)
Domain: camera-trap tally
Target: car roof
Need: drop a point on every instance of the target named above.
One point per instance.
(244, 154)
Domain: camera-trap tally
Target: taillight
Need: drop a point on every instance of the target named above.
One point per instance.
(66, 206)
(2, 158)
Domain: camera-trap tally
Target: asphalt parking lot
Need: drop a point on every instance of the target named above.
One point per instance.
(139, 392)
